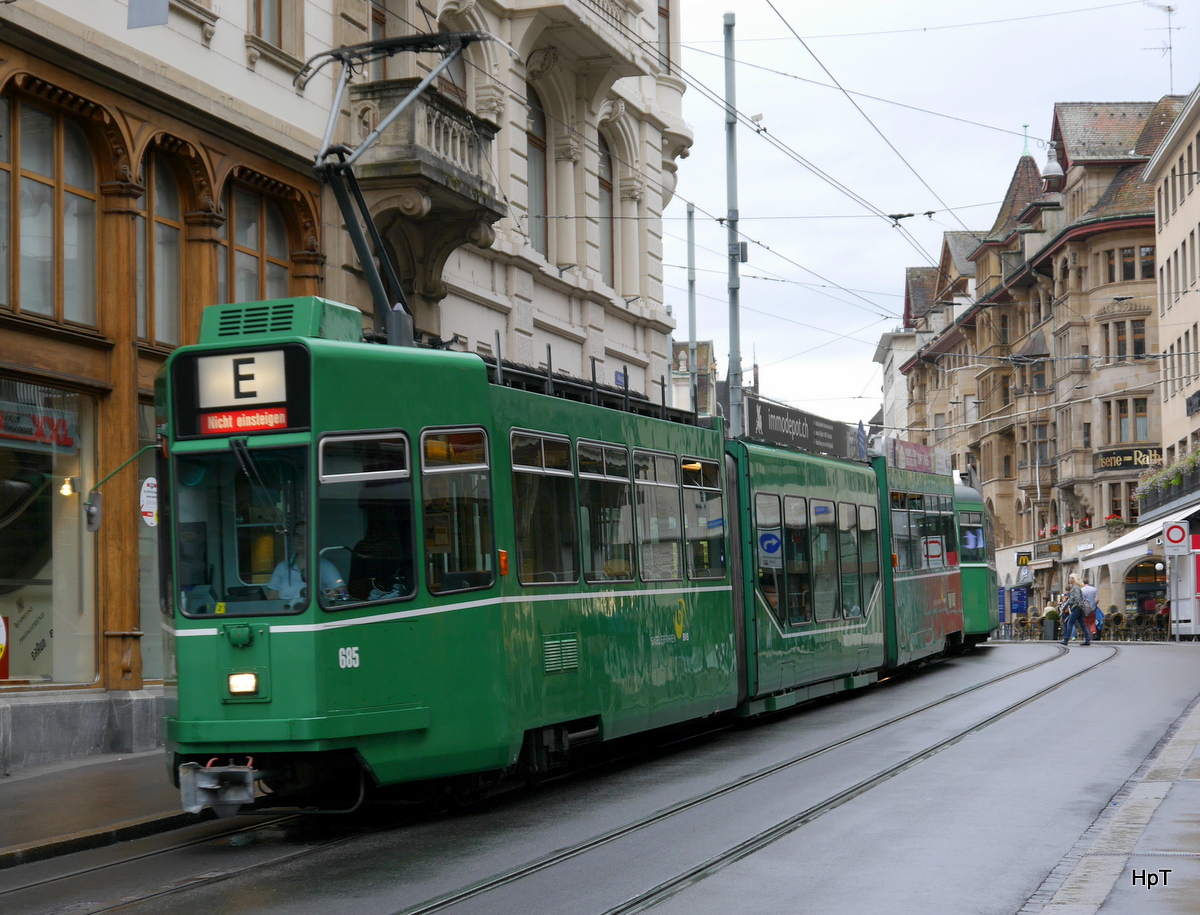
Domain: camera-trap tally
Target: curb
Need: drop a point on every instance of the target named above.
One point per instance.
(15, 855)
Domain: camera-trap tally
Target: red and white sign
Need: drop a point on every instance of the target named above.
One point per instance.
(1176, 539)
(934, 549)
(148, 503)
(232, 421)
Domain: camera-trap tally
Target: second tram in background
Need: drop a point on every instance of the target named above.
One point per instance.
(390, 565)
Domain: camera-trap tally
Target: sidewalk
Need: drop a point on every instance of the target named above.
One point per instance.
(1143, 854)
(67, 807)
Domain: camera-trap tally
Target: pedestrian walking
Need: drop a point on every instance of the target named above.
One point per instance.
(1077, 607)
(1093, 617)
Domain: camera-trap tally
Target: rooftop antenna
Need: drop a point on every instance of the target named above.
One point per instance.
(1168, 47)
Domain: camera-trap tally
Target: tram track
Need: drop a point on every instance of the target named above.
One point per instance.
(261, 833)
(481, 888)
(657, 893)
(666, 889)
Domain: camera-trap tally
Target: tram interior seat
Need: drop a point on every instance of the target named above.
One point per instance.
(377, 566)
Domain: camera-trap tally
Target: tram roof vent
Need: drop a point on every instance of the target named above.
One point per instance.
(306, 316)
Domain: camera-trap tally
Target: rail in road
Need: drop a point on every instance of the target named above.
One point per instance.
(835, 770)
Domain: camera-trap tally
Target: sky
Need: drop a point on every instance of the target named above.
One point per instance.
(825, 277)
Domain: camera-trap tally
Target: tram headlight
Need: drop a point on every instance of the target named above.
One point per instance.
(243, 684)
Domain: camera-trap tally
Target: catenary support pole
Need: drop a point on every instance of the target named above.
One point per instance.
(731, 224)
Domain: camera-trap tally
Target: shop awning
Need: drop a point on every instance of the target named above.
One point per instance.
(1134, 545)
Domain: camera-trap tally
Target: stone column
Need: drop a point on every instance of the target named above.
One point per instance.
(631, 249)
(566, 154)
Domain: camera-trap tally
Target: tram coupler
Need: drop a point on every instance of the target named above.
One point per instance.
(226, 789)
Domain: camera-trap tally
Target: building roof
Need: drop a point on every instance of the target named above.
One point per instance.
(1100, 131)
(920, 286)
(960, 245)
(1158, 123)
(1127, 195)
(1025, 187)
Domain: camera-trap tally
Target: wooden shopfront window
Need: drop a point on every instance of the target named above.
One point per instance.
(252, 261)
(48, 195)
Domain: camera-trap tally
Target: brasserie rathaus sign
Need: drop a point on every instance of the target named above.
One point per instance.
(1125, 459)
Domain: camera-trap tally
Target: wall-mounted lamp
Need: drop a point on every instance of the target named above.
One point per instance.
(562, 268)
(70, 486)
(631, 299)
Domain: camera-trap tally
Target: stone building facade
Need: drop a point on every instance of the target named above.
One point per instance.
(1058, 344)
(148, 173)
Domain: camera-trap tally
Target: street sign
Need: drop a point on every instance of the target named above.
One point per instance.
(1176, 539)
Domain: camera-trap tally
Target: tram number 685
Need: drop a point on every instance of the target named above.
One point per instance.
(348, 657)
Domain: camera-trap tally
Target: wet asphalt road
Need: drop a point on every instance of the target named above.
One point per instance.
(940, 812)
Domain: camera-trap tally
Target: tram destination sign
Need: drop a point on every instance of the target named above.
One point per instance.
(779, 425)
(241, 392)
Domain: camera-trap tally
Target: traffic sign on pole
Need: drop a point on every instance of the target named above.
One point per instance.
(1177, 540)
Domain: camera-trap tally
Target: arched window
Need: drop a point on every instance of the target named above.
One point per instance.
(535, 134)
(453, 80)
(253, 249)
(606, 213)
(54, 168)
(159, 255)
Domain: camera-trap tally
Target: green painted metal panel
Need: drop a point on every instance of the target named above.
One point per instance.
(786, 658)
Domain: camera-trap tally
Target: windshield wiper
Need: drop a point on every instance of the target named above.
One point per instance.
(258, 487)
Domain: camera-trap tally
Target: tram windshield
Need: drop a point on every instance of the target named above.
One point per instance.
(240, 531)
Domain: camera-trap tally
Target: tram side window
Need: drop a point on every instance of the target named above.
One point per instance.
(795, 558)
(704, 518)
(606, 512)
(659, 529)
(848, 546)
(917, 529)
(365, 517)
(824, 539)
(543, 508)
(933, 544)
(868, 526)
(901, 537)
(947, 531)
(767, 535)
(970, 529)
(457, 510)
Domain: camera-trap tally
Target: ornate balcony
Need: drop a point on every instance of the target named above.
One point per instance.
(436, 147)
(428, 182)
(1031, 478)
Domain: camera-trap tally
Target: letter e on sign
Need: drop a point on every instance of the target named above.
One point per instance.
(241, 379)
(1176, 538)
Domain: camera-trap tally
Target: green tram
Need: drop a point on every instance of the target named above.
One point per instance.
(924, 591)
(977, 559)
(507, 564)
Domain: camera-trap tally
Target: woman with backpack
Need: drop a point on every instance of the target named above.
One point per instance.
(1077, 608)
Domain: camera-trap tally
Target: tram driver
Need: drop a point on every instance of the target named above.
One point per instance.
(289, 580)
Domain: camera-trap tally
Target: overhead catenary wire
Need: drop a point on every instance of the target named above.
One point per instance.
(713, 97)
(858, 108)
